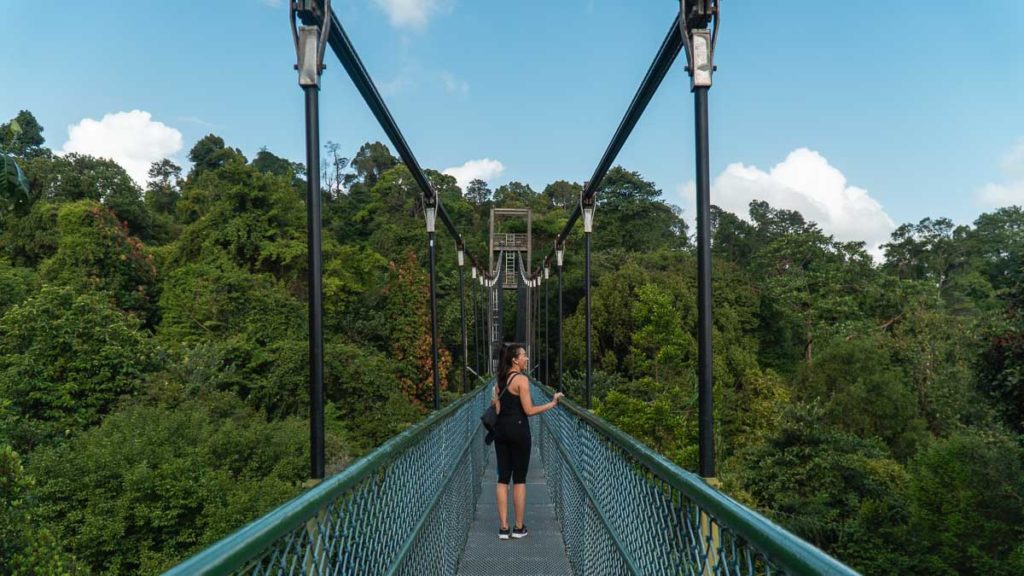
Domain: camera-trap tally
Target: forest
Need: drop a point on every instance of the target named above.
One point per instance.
(153, 353)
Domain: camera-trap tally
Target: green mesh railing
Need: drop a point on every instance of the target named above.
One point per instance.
(406, 508)
(626, 510)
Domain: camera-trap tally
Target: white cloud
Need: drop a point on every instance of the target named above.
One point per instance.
(453, 85)
(272, 3)
(1009, 192)
(807, 183)
(408, 13)
(1000, 195)
(132, 139)
(1013, 161)
(484, 169)
(400, 83)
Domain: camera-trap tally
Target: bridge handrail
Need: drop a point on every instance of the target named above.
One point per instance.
(789, 551)
(245, 545)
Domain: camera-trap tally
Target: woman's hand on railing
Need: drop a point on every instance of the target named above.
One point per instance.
(557, 396)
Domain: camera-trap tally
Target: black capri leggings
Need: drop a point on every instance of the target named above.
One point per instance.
(512, 447)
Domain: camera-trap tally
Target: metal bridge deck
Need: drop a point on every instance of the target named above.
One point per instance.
(542, 553)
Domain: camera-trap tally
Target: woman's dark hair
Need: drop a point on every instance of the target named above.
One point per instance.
(509, 352)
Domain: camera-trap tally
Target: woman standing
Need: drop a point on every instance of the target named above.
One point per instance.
(513, 443)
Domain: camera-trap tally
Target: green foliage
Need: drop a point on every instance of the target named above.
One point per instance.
(478, 193)
(364, 388)
(213, 301)
(210, 153)
(65, 360)
(967, 511)
(154, 484)
(661, 416)
(370, 163)
(408, 311)
(515, 195)
(16, 284)
(864, 394)
(76, 177)
(255, 219)
(95, 252)
(31, 238)
(632, 216)
(22, 135)
(840, 492)
(1001, 369)
(562, 194)
(162, 192)
(864, 405)
(25, 548)
(13, 184)
(269, 163)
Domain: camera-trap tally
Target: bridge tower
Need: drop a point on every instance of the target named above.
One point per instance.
(511, 247)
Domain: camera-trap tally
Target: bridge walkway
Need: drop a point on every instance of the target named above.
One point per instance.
(542, 553)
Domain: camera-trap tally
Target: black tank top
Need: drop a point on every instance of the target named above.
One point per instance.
(511, 405)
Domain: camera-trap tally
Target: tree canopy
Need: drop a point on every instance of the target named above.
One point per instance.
(153, 352)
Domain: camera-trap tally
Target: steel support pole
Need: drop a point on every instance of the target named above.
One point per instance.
(476, 331)
(433, 319)
(547, 333)
(561, 348)
(586, 287)
(482, 297)
(704, 317)
(535, 324)
(462, 315)
(316, 332)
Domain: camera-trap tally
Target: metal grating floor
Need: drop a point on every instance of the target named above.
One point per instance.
(542, 553)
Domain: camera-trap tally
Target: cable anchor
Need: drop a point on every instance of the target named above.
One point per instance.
(694, 18)
(310, 41)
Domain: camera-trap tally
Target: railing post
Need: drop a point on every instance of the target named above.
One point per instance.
(430, 211)
(588, 228)
(559, 259)
(462, 315)
(310, 43)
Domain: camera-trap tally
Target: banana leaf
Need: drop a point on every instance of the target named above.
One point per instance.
(13, 184)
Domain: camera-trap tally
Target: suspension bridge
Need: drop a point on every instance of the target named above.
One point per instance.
(600, 502)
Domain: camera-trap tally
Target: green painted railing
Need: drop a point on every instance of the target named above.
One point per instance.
(624, 509)
(405, 508)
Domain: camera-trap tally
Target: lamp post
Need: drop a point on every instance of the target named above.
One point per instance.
(588, 228)
(695, 18)
(430, 211)
(310, 43)
(559, 255)
(462, 314)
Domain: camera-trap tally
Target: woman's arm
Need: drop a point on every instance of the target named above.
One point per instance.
(523, 387)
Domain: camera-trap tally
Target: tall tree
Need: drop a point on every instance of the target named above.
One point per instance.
(514, 195)
(478, 192)
(562, 194)
(333, 168)
(210, 153)
(631, 215)
(22, 135)
(163, 191)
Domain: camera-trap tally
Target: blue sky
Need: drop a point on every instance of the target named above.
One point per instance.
(861, 120)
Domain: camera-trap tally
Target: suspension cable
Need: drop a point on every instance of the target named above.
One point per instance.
(666, 55)
(346, 53)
